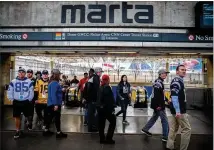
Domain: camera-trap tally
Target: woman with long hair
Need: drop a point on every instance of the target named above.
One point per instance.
(54, 104)
(124, 95)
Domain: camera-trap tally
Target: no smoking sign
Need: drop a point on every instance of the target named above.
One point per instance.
(24, 36)
(191, 37)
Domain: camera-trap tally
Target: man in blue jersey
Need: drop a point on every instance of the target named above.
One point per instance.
(21, 92)
(178, 111)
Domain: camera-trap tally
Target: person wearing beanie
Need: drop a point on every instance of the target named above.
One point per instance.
(106, 111)
(21, 93)
(54, 104)
(158, 105)
(38, 75)
(41, 92)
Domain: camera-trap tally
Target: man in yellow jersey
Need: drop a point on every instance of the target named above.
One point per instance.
(41, 90)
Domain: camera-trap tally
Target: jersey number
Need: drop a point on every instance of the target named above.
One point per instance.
(21, 87)
(45, 88)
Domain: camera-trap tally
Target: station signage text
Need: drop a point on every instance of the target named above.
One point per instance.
(97, 13)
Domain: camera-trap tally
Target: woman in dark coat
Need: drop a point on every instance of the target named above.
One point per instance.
(123, 95)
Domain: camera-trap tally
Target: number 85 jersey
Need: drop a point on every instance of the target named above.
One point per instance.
(20, 90)
(41, 89)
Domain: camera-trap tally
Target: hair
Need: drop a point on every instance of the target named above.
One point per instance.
(54, 77)
(91, 70)
(121, 81)
(177, 68)
(85, 73)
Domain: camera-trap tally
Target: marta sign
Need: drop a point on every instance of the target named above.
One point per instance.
(98, 13)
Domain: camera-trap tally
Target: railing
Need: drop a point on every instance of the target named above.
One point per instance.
(191, 79)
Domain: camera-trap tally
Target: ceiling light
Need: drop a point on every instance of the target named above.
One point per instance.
(206, 53)
(183, 53)
(122, 52)
(90, 52)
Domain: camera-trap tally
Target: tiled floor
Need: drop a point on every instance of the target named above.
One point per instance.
(72, 121)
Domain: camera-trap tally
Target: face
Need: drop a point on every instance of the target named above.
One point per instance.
(90, 73)
(38, 76)
(108, 81)
(163, 75)
(29, 75)
(99, 74)
(21, 74)
(75, 77)
(45, 76)
(124, 78)
(181, 71)
(85, 75)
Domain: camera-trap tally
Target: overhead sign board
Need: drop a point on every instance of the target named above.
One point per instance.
(204, 15)
(105, 36)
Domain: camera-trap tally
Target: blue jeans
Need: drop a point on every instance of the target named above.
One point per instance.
(164, 121)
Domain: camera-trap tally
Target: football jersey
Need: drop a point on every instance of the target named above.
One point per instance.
(20, 90)
(42, 88)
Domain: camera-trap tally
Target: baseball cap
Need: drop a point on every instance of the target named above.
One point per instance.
(105, 77)
(44, 72)
(38, 72)
(30, 71)
(21, 69)
(55, 71)
(98, 69)
(161, 71)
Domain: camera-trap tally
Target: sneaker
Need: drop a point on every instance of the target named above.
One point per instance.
(109, 142)
(164, 139)
(39, 123)
(17, 135)
(30, 127)
(93, 130)
(47, 133)
(146, 132)
(102, 141)
(125, 122)
(61, 135)
(43, 127)
(85, 123)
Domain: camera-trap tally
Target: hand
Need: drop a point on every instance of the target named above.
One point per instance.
(36, 101)
(159, 108)
(178, 115)
(55, 108)
(63, 89)
(130, 95)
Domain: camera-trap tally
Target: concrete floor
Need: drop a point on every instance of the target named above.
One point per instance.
(79, 141)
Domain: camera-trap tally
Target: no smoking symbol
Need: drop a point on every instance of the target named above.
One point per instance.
(24, 36)
(191, 37)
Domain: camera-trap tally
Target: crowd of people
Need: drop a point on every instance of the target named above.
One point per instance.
(45, 94)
